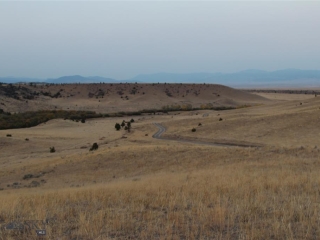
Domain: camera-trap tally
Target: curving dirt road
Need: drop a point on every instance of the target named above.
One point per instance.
(162, 129)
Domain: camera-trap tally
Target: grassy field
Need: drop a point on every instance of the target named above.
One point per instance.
(137, 187)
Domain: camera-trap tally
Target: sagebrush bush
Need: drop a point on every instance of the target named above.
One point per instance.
(94, 147)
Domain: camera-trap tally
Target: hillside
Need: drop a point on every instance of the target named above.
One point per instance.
(136, 186)
(106, 98)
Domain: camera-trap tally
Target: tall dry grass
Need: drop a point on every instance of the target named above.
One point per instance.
(274, 198)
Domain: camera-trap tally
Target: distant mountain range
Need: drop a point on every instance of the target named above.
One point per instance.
(247, 78)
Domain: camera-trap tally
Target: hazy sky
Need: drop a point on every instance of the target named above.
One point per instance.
(123, 39)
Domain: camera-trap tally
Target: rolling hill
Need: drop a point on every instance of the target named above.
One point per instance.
(106, 98)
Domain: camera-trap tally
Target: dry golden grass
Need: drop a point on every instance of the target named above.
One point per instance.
(241, 198)
(285, 96)
(279, 124)
(143, 188)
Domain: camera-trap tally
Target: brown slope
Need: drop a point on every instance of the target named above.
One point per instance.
(126, 97)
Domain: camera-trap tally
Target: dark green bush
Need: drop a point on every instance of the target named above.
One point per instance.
(117, 126)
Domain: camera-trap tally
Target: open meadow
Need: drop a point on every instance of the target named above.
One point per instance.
(251, 172)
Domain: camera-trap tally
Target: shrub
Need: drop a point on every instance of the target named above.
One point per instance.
(123, 124)
(94, 147)
(52, 149)
(27, 139)
(9, 135)
(132, 120)
(117, 126)
(220, 119)
(83, 120)
(27, 176)
(199, 124)
(193, 130)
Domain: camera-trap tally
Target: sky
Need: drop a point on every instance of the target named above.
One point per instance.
(49, 39)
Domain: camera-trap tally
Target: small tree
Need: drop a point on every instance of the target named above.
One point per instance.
(117, 126)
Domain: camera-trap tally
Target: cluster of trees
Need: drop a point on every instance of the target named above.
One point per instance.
(125, 125)
(30, 119)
